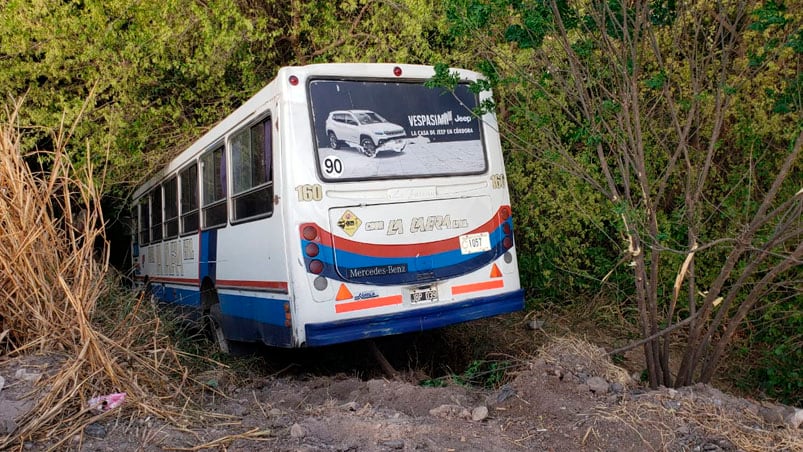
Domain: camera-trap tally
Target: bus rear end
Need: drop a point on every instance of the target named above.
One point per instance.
(404, 222)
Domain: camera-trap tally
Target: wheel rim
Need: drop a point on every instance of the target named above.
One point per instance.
(368, 147)
(332, 140)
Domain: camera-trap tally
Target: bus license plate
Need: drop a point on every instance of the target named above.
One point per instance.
(424, 294)
(475, 243)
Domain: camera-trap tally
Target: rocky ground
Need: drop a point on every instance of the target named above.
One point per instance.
(567, 397)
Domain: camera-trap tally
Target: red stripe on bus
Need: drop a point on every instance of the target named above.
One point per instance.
(369, 303)
(409, 249)
(233, 283)
(476, 287)
(167, 279)
(405, 250)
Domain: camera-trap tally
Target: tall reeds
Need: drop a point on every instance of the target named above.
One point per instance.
(53, 273)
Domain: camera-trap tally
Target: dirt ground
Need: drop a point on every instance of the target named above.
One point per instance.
(567, 396)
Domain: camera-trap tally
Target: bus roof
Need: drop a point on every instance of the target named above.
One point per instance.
(282, 82)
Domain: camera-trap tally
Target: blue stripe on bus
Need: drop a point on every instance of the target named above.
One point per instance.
(247, 319)
(424, 263)
(254, 319)
(188, 296)
(207, 255)
(412, 274)
(418, 269)
(415, 320)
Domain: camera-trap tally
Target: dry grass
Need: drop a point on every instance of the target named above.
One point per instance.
(700, 420)
(51, 278)
(572, 352)
(682, 418)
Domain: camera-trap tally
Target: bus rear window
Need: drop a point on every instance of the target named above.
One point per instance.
(385, 130)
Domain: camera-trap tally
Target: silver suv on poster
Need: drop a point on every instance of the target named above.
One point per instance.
(365, 130)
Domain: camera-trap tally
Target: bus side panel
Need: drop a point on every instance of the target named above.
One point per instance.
(251, 317)
(252, 281)
(170, 268)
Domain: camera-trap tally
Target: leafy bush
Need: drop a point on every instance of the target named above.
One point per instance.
(774, 353)
(486, 374)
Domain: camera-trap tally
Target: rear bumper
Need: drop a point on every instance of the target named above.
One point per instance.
(436, 316)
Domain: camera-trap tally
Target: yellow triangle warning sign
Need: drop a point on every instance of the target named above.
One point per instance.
(343, 293)
(495, 273)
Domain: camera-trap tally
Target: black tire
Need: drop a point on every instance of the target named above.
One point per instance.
(148, 296)
(216, 329)
(333, 141)
(225, 345)
(368, 146)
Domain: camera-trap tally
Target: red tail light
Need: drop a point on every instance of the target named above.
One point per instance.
(309, 233)
(507, 229)
(507, 242)
(316, 266)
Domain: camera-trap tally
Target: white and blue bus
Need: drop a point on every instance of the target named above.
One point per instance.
(341, 202)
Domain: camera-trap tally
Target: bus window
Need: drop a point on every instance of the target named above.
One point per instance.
(156, 214)
(144, 222)
(213, 177)
(171, 208)
(189, 199)
(251, 172)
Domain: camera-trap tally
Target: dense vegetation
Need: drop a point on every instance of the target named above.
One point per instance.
(653, 148)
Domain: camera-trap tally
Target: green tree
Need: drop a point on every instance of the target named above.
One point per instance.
(686, 119)
(148, 77)
(409, 31)
(143, 74)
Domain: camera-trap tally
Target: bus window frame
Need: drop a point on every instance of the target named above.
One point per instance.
(266, 120)
(152, 194)
(144, 224)
(165, 220)
(224, 200)
(182, 215)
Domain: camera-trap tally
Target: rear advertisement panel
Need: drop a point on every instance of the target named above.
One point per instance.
(375, 130)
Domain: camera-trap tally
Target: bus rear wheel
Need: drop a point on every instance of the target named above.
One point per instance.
(216, 329)
(223, 343)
